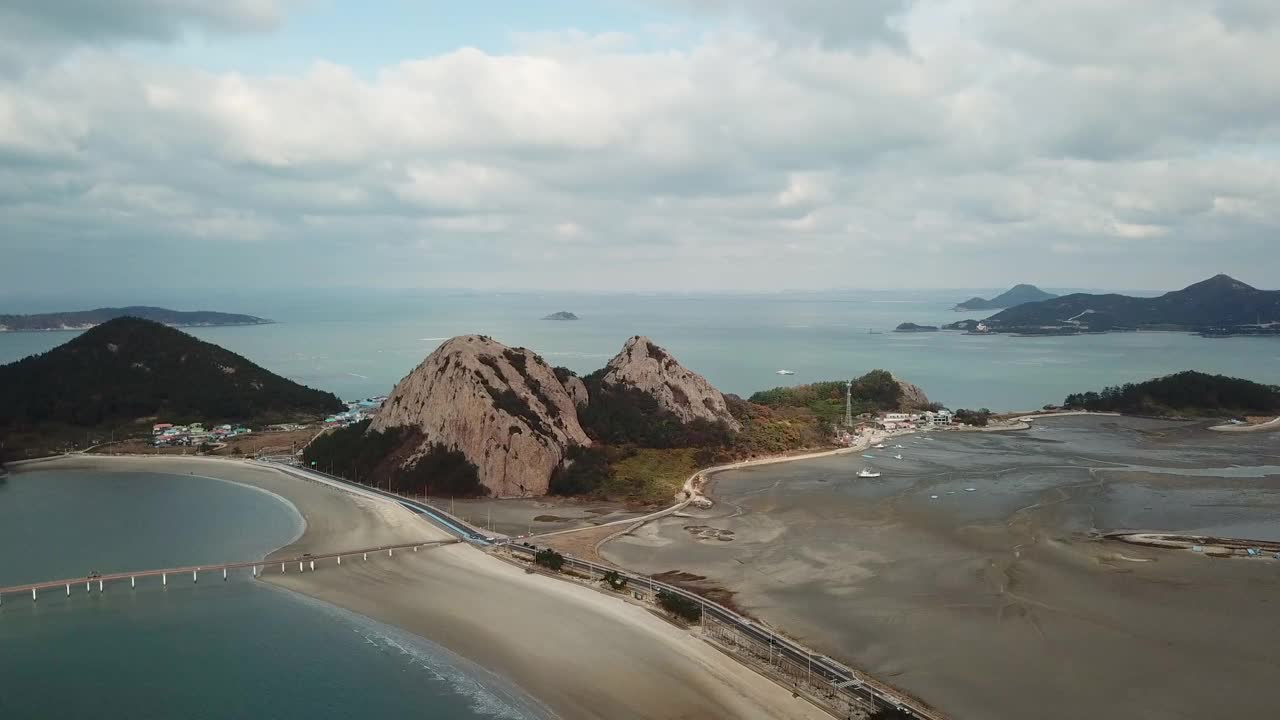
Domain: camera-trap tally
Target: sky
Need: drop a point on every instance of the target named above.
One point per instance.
(637, 145)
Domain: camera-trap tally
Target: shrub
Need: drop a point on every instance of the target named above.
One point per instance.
(680, 606)
(615, 580)
(549, 559)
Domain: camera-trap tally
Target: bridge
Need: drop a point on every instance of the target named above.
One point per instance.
(257, 567)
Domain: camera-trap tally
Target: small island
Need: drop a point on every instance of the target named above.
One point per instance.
(914, 328)
(562, 315)
(85, 319)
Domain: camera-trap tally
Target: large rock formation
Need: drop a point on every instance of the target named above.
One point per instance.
(646, 367)
(913, 398)
(501, 407)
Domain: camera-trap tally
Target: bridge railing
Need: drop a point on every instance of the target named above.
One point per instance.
(303, 561)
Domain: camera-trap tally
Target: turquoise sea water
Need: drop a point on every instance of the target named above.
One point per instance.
(237, 649)
(360, 344)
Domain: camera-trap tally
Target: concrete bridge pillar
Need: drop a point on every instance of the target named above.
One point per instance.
(164, 579)
(255, 571)
(313, 566)
(282, 567)
(195, 576)
(68, 589)
(99, 584)
(133, 582)
(33, 594)
(366, 556)
(388, 552)
(86, 587)
(339, 559)
(224, 574)
(299, 566)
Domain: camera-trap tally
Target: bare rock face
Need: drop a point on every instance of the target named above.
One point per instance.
(577, 390)
(501, 407)
(913, 398)
(646, 367)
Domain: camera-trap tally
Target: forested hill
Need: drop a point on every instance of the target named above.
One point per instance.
(1219, 302)
(84, 319)
(128, 369)
(1184, 393)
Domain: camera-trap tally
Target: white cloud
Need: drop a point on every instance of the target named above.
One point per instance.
(958, 133)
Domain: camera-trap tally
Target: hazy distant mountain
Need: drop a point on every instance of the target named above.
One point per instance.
(562, 315)
(1017, 295)
(85, 319)
(129, 369)
(1221, 302)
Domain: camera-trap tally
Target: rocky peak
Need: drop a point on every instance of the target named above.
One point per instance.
(913, 398)
(687, 395)
(501, 407)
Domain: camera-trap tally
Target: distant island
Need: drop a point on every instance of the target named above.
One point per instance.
(1185, 393)
(1017, 295)
(914, 328)
(85, 319)
(562, 315)
(128, 373)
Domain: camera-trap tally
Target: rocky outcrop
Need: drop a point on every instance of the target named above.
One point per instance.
(644, 366)
(577, 390)
(913, 398)
(501, 407)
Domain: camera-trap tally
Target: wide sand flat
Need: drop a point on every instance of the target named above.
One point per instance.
(997, 603)
(581, 653)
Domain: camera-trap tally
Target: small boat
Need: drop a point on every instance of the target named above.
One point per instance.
(869, 456)
(898, 456)
(784, 372)
(897, 447)
(868, 473)
(878, 446)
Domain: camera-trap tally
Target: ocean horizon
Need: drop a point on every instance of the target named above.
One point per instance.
(358, 344)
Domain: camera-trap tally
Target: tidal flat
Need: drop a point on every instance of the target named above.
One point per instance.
(972, 574)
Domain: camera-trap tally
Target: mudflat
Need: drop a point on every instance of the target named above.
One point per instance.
(971, 573)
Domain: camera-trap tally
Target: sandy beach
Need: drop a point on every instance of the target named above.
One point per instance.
(579, 652)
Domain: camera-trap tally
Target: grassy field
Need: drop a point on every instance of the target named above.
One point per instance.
(649, 476)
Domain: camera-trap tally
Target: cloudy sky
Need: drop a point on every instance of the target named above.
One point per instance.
(638, 144)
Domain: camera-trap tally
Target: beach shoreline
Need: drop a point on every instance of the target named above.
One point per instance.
(578, 652)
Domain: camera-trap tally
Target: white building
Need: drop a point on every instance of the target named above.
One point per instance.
(941, 417)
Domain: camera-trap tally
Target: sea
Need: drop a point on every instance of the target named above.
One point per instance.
(360, 343)
(242, 649)
(213, 649)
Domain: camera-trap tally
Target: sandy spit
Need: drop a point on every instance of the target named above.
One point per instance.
(581, 653)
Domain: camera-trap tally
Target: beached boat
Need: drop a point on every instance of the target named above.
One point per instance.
(868, 473)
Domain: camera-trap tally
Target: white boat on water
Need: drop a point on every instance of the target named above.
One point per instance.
(897, 447)
(878, 446)
(784, 372)
(898, 456)
(868, 473)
